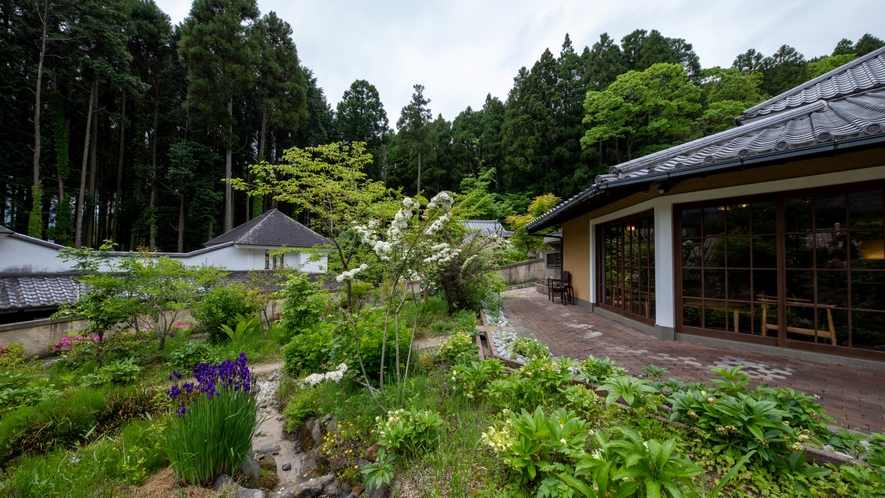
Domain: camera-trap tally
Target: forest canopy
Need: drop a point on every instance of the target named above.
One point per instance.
(123, 127)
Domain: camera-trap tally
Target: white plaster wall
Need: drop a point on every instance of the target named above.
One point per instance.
(22, 256)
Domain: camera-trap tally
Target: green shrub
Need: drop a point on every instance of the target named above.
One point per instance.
(186, 357)
(409, 431)
(529, 348)
(80, 415)
(309, 351)
(460, 348)
(595, 371)
(220, 306)
(120, 372)
(21, 389)
(12, 355)
(305, 303)
(302, 404)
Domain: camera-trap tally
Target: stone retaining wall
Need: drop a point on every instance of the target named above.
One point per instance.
(520, 273)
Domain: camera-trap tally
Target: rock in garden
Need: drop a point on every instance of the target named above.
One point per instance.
(287, 466)
(372, 452)
(221, 482)
(309, 489)
(250, 493)
(270, 449)
(251, 471)
(268, 463)
(285, 493)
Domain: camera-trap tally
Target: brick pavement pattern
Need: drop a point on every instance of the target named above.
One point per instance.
(854, 397)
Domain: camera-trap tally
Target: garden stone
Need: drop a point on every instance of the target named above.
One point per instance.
(379, 492)
(287, 466)
(251, 471)
(270, 448)
(250, 493)
(331, 489)
(313, 487)
(221, 482)
(316, 433)
(285, 493)
(362, 463)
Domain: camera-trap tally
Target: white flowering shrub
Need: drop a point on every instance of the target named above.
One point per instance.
(333, 376)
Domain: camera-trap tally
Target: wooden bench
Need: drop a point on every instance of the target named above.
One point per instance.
(768, 300)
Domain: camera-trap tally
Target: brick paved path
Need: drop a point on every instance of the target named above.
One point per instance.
(854, 397)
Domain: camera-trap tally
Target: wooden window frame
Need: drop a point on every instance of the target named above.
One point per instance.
(601, 284)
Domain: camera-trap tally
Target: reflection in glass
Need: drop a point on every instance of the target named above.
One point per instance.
(765, 284)
(715, 316)
(739, 252)
(865, 210)
(714, 252)
(831, 250)
(738, 219)
(829, 212)
(714, 221)
(692, 252)
(800, 285)
(714, 284)
(868, 290)
(799, 250)
(765, 251)
(832, 288)
(798, 214)
(691, 223)
(868, 330)
(692, 312)
(764, 218)
(739, 287)
(867, 250)
(801, 318)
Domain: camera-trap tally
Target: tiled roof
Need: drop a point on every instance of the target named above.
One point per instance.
(484, 228)
(272, 228)
(38, 291)
(864, 73)
(848, 110)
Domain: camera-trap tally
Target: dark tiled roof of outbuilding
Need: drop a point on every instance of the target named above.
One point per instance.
(832, 122)
(863, 73)
(38, 291)
(272, 228)
(484, 228)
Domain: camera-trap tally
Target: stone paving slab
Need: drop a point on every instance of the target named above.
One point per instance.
(854, 397)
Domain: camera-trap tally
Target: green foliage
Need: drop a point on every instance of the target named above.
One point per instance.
(120, 372)
(305, 303)
(649, 110)
(186, 357)
(309, 351)
(35, 217)
(80, 415)
(848, 442)
(539, 205)
(470, 379)
(493, 303)
(733, 381)
(460, 348)
(302, 404)
(12, 355)
(654, 372)
(538, 384)
(596, 371)
(635, 392)
(245, 326)
(529, 348)
(408, 431)
(376, 475)
(213, 438)
(22, 389)
(220, 306)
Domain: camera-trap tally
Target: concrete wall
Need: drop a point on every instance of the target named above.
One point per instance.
(19, 255)
(36, 335)
(526, 271)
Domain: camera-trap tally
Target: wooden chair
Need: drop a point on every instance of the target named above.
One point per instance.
(561, 286)
(824, 334)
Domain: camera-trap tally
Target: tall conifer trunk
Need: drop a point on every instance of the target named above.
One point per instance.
(35, 220)
(228, 172)
(118, 193)
(78, 232)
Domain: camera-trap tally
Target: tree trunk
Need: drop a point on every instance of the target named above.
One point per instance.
(78, 232)
(419, 172)
(35, 222)
(153, 235)
(91, 197)
(261, 138)
(181, 223)
(228, 172)
(118, 193)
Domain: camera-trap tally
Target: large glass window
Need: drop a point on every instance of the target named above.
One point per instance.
(627, 266)
(830, 250)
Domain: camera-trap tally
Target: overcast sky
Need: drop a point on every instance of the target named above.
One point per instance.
(461, 50)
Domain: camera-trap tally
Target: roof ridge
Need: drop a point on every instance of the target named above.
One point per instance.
(808, 85)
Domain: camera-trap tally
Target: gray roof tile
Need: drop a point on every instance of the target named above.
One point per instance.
(864, 73)
(272, 228)
(38, 291)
